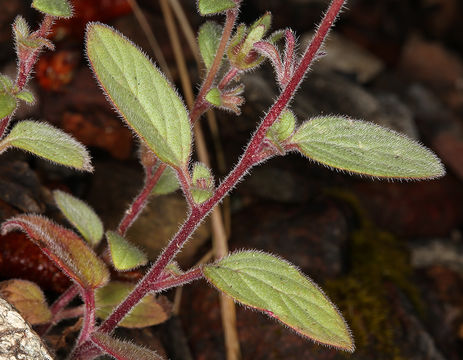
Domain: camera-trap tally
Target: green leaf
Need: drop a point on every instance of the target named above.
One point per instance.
(26, 96)
(28, 299)
(214, 97)
(141, 94)
(67, 250)
(58, 8)
(277, 288)
(167, 183)
(124, 255)
(7, 104)
(209, 7)
(202, 183)
(50, 143)
(81, 216)
(208, 40)
(148, 312)
(365, 148)
(122, 350)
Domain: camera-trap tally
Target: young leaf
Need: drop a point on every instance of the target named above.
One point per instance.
(202, 183)
(81, 216)
(50, 143)
(7, 104)
(67, 250)
(122, 350)
(28, 298)
(26, 96)
(125, 256)
(208, 40)
(365, 148)
(209, 7)
(283, 127)
(148, 312)
(167, 183)
(277, 288)
(214, 97)
(58, 8)
(140, 93)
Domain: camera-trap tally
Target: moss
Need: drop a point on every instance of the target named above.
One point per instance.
(376, 259)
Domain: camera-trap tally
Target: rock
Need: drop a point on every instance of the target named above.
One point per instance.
(439, 252)
(18, 341)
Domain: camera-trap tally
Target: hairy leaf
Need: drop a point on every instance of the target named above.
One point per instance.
(209, 7)
(140, 93)
(28, 299)
(277, 288)
(167, 183)
(7, 104)
(58, 8)
(282, 128)
(124, 255)
(81, 216)
(209, 39)
(67, 250)
(6, 84)
(50, 143)
(214, 97)
(365, 148)
(26, 96)
(148, 312)
(122, 350)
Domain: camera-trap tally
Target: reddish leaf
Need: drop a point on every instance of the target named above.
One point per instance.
(70, 253)
(122, 350)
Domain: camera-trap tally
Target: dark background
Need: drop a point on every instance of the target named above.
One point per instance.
(388, 254)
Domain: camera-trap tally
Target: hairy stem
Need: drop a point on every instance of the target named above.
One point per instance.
(200, 104)
(88, 296)
(140, 201)
(26, 66)
(251, 157)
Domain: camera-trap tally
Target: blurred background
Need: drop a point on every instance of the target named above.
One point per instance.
(388, 254)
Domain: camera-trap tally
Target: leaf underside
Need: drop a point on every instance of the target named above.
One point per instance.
(277, 288)
(140, 93)
(123, 350)
(209, 7)
(28, 299)
(7, 104)
(365, 148)
(208, 40)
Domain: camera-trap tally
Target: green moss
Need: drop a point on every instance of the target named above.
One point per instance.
(377, 261)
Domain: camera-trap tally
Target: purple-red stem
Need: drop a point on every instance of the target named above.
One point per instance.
(88, 296)
(140, 201)
(25, 67)
(251, 157)
(201, 104)
(229, 76)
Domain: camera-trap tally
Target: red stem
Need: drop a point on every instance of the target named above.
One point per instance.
(88, 296)
(201, 105)
(26, 66)
(229, 76)
(140, 201)
(189, 276)
(247, 161)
